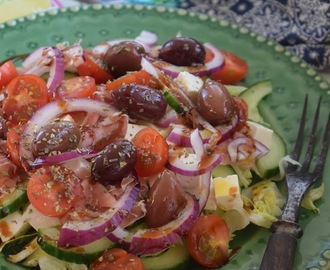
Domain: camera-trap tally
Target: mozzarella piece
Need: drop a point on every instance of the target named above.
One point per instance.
(227, 192)
(261, 133)
(190, 83)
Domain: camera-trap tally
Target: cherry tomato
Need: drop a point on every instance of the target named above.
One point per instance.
(26, 94)
(235, 68)
(94, 68)
(54, 190)
(208, 241)
(12, 143)
(140, 77)
(8, 72)
(152, 151)
(77, 87)
(117, 259)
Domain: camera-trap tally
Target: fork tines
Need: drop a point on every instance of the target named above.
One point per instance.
(312, 139)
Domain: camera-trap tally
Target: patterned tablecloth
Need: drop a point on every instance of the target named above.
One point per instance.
(303, 26)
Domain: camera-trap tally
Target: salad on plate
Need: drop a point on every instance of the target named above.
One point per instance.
(133, 154)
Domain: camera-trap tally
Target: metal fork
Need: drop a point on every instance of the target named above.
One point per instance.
(282, 244)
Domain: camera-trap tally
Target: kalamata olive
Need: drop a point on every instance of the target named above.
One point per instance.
(141, 102)
(115, 162)
(183, 51)
(215, 103)
(123, 57)
(56, 137)
(166, 196)
(3, 128)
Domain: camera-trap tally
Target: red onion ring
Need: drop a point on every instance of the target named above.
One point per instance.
(52, 110)
(63, 157)
(56, 72)
(77, 233)
(155, 240)
(193, 164)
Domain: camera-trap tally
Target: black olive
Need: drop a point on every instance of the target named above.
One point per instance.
(123, 57)
(183, 51)
(215, 103)
(139, 101)
(56, 137)
(115, 162)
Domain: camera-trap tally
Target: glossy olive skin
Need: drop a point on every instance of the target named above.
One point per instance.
(123, 57)
(3, 128)
(138, 101)
(115, 162)
(215, 103)
(166, 196)
(56, 137)
(183, 51)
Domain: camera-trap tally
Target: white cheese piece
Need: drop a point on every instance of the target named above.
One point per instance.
(190, 83)
(227, 192)
(261, 133)
(132, 129)
(211, 203)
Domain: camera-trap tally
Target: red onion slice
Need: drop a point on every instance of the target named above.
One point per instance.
(192, 166)
(183, 162)
(155, 240)
(243, 147)
(208, 68)
(180, 135)
(169, 118)
(63, 157)
(121, 236)
(228, 129)
(56, 72)
(77, 233)
(52, 110)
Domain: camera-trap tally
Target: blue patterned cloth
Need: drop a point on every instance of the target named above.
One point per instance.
(303, 26)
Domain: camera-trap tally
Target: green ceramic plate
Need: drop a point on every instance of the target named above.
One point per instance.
(291, 77)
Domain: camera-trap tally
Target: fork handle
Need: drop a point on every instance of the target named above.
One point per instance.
(281, 246)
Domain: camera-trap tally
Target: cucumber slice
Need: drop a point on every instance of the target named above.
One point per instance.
(268, 165)
(253, 95)
(85, 254)
(222, 171)
(9, 203)
(16, 245)
(175, 258)
(29, 249)
(235, 90)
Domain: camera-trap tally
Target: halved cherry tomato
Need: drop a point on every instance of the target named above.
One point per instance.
(12, 143)
(26, 94)
(208, 241)
(152, 152)
(94, 68)
(140, 77)
(8, 72)
(54, 190)
(117, 259)
(77, 87)
(235, 69)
